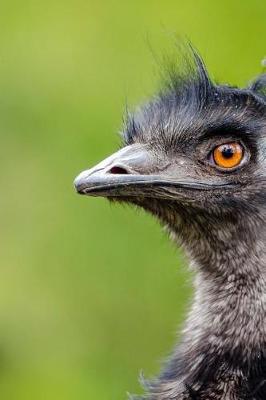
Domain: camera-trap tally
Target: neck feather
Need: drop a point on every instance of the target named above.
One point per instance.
(225, 334)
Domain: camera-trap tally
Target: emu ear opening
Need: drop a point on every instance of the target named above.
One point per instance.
(259, 85)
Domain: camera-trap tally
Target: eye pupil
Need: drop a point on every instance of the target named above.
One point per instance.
(227, 152)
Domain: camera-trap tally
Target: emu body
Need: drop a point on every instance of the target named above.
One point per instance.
(217, 214)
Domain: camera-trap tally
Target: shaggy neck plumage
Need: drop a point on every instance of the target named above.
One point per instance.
(229, 311)
(224, 340)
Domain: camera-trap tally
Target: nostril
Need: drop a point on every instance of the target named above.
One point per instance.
(117, 170)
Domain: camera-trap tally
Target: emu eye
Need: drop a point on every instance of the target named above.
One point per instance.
(228, 155)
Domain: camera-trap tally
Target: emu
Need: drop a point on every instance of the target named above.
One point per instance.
(195, 157)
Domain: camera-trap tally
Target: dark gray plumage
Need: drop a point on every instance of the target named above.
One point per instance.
(170, 167)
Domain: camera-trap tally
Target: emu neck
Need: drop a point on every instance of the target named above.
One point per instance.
(226, 327)
(229, 311)
(230, 297)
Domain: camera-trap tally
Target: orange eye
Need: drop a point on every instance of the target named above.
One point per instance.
(228, 155)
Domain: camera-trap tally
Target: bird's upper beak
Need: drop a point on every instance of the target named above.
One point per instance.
(122, 174)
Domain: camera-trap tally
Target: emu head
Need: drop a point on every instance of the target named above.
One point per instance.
(195, 156)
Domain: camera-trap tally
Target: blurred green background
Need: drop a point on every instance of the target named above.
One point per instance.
(91, 293)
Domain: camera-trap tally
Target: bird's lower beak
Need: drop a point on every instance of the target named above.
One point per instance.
(121, 174)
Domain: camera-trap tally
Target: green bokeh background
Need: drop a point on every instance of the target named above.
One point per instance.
(91, 293)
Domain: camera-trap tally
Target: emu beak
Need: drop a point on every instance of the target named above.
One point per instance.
(136, 171)
(121, 174)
